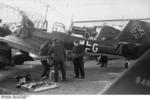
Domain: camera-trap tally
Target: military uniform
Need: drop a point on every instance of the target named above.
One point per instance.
(44, 52)
(78, 61)
(103, 60)
(58, 53)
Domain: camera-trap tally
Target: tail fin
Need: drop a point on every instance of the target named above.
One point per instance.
(135, 32)
(134, 81)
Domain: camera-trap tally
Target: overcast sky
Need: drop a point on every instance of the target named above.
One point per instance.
(63, 10)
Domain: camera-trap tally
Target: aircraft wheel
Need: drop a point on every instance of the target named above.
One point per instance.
(18, 62)
(18, 59)
(102, 66)
(126, 66)
(2, 66)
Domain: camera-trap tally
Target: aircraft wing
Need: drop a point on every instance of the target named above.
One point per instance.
(109, 55)
(33, 43)
(135, 80)
(29, 45)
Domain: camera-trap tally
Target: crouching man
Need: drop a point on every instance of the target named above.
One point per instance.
(45, 47)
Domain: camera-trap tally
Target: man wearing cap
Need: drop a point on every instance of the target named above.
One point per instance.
(78, 60)
(58, 53)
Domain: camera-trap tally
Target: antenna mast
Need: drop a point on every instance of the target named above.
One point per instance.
(45, 21)
(46, 12)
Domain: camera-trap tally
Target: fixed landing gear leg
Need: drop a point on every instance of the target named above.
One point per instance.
(126, 64)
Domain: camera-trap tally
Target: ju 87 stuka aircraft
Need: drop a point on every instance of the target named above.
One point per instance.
(131, 43)
(134, 43)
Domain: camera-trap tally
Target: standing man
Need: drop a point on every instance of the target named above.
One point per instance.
(26, 26)
(44, 52)
(103, 60)
(78, 60)
(58, 53)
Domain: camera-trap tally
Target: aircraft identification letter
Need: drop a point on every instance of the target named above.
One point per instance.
(95, 48)
(89, 46)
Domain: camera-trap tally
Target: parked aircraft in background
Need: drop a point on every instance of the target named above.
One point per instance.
(131, 43)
